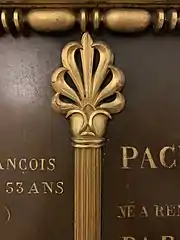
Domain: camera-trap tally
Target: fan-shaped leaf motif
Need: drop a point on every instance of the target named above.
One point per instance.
(87, 104)
(61, 106)
(115, 106)
(115, 84)
(87, 54)
(68, 60)
(60, 86)
(105, 59)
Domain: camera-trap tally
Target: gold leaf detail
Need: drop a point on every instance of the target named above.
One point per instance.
(89, 95)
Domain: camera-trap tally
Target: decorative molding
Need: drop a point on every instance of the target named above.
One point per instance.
(87, 92)
(89, 3)
(123, 20)
(87, 86)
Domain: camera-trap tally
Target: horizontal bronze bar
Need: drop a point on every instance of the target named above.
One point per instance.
(116, 19)
(38, 2)
(89, 3)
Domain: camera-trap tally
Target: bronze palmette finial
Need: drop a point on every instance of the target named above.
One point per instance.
(87, 95)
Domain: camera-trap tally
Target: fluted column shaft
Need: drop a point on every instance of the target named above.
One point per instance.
(87, 193)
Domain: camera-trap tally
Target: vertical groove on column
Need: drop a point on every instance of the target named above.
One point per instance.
(87, 194)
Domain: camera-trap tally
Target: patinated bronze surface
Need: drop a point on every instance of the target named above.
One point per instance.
(31, 129)
(128, 192)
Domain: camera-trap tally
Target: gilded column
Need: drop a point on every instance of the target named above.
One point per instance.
(87, 92)
(87, 187)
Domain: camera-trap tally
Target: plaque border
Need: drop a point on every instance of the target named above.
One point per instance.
(91, 4)
(87, 113)
(118, 19)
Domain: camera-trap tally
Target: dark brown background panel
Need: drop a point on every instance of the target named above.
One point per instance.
(29, 128)
(150, 119)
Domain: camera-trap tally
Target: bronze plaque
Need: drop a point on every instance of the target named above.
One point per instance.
(78, 181)
(140, 198)
(36, 186)
(141, 159)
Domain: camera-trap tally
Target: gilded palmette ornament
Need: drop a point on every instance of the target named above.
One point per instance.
(87, 108)
(87, 92)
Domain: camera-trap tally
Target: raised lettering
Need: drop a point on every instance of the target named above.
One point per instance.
(52, 165)
(1, 167)
(168, 238)
(9, 187)
(11, 163)
(143, 212)
(48, 187)
(162, 157)
(171, 210)
(42, 162)
(33, 189)
(23, 164)
(19, 187)
(159, 211)
(128, 238)
(126, 157)
(60, 188)
(127, 211)
(147, 157)
(33, 164)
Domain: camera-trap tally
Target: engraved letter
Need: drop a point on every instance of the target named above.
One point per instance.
(60, 188)
(1, 167)
(168, 238)
(162, 157)
(178, 211)
(34, 166)
(33, 189)
(159, 211)
(143, 212)
(21, 166)
(171, 210)
(148, 157)
(127, 211)
(51, 164)
(131, 211)
(122, 213)
(42, 168)
(128, 238)
(134, 155)
(11, 163)
(48, 186)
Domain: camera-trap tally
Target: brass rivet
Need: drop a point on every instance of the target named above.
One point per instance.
(4, 21)
(18, 20)
(96, 17)
(160, 20)
(83, 19)
(173, 19)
